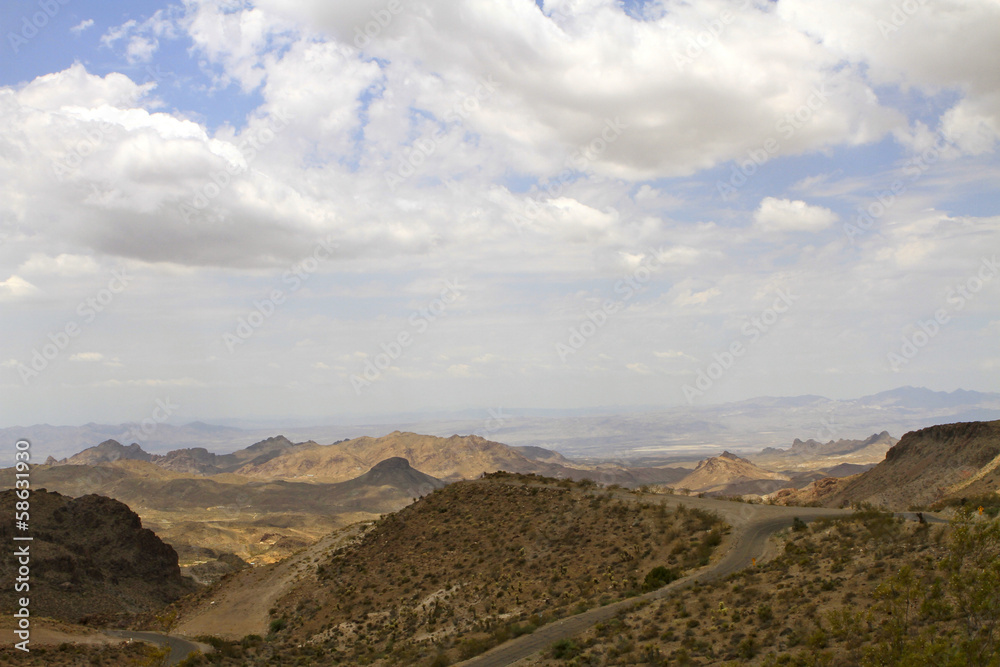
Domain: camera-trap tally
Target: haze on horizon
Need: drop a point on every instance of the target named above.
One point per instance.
(256, 209)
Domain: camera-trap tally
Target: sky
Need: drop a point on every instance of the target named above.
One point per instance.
(310, 210)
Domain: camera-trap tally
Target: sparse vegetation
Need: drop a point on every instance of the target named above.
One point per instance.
(934, 600)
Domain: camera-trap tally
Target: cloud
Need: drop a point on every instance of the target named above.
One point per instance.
(785, 215)
(16, 287)
(81, 26)
(87, 356)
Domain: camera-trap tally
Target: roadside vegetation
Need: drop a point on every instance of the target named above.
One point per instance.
(866, 590)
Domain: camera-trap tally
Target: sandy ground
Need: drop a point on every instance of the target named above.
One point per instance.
(49, 632)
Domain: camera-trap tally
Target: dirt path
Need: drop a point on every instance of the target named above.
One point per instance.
(240, 607)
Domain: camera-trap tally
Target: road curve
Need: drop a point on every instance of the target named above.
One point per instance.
(746, 542)
(180, 648)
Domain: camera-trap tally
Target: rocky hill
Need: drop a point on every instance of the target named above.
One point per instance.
(106, 452)
(466, 567)
(260, 520)
(813, 454)
(929, 465)
(91, 560)
(197, 460)
(728, 474)
(394, 473)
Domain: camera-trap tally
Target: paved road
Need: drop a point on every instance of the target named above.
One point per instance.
(752, 526)
(180, 648)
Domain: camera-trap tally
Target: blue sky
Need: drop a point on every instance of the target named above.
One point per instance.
(555, 205)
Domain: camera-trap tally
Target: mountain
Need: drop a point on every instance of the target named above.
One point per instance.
(393, 473)
(107, 451)
(196, 460)
(948, 460)
(450, 459)
(812, 454)
(728, 474)
(261, 520)
(624, 434)
(90, 559)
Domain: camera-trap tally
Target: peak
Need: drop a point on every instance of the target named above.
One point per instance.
(394, 463)
(729, 455)
(109, 444)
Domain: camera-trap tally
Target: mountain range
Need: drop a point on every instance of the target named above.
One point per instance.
(654, 434)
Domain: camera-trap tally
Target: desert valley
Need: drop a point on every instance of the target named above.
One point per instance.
(410, 549)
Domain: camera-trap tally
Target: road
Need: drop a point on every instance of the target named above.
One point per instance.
(180, 648)
(752, 526)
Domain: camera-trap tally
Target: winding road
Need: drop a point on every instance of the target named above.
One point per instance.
(752, 526)
(180, 648)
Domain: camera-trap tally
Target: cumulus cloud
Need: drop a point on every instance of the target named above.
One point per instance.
(786, 215)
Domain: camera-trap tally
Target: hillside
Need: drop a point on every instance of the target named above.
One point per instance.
(257, 520)
(473, 563)
(865, 590)
(729, 474)
(91, 559)
(929, 465)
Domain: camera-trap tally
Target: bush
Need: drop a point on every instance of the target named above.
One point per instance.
(564, 649)
(658, 577)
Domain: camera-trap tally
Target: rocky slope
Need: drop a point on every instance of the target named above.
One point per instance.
(91, 560)
(929, 465)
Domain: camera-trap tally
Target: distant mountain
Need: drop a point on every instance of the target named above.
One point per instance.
(815, 455)
(947, 460)
(450, 459)
(253, 518)
(91, 559)
(921, 397)
(197, 460)
(107, 451)
(728, 474)
(648, 436)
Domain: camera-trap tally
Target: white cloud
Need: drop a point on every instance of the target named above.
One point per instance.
(785, 215)
(81, 26)
(16, 287)
(87, 356)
